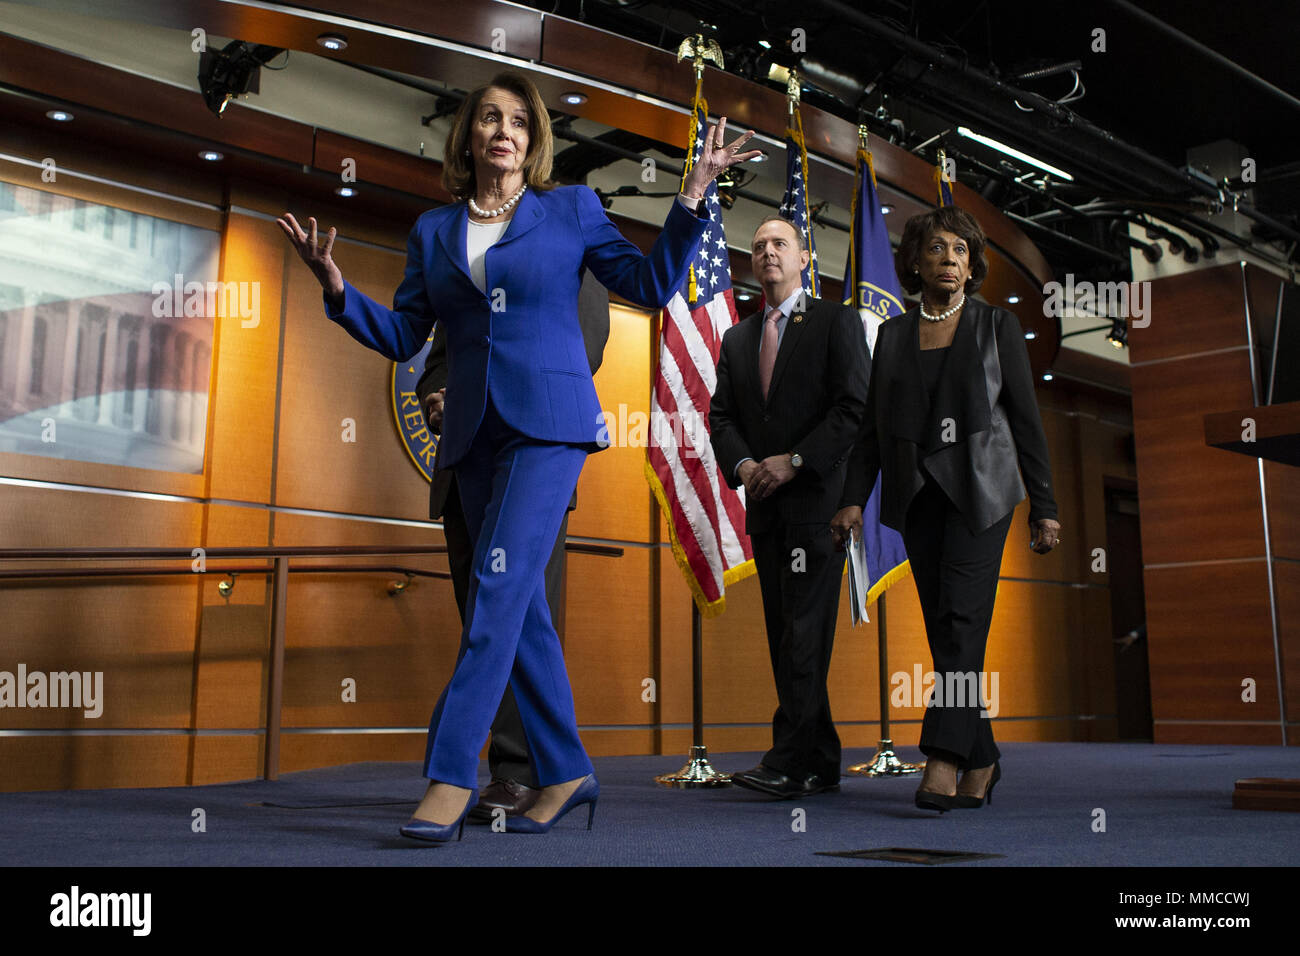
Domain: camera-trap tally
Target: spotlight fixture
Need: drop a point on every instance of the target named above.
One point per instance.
(1118, 334)
(573, 98)
(232, 71)
(211, 155)
(333, 41)
(346, 192)
(60, 116)
(1014, 153)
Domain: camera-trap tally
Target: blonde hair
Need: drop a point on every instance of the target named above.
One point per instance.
(458, 169)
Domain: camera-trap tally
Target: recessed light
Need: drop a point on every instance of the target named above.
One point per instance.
(60, 116)
(573, 98)
(743, 296)
(1031, 334)
(333, 41)
(1047, 376)
(211, 155)
(886, 209)
(345, 191)
(1012, 299)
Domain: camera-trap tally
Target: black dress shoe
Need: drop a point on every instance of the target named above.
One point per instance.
(766, 780)
(513, 798)
(818, 784)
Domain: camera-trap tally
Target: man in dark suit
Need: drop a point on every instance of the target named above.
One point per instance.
(792, 386)
(514, 784)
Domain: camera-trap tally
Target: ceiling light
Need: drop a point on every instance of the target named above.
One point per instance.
(1047, 376)
(211, 155)
(1015, 153)
(60, 116)
(1012, 299)
(886, 209)
(345, 191)
(573, 98)
(333, 41)
(1031, 334)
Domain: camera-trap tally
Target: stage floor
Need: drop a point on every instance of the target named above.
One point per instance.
(1162, 805)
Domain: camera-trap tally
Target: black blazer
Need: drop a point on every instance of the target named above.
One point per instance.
(814, 407)
(593, 317)
(983, 423)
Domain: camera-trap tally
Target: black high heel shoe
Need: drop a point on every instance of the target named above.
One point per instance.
(428, 832)
(974, 803)
(933, 799)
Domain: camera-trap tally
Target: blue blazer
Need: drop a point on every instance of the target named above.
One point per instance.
(521, 342)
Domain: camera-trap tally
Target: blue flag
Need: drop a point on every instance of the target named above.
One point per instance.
(871, 287)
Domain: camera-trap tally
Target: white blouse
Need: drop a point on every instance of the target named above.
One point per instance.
(478, 239)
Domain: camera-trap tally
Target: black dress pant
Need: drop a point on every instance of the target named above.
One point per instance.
(508, 752)
(799, 572)
(956, 576)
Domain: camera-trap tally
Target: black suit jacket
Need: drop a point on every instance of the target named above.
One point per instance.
(979, 435)
(814, 407)
(593, 316)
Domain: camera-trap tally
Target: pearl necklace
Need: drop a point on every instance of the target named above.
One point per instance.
(943, 315)
(490, 213)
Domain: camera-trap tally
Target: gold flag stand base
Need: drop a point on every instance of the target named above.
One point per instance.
(698, 772)
(885, 763)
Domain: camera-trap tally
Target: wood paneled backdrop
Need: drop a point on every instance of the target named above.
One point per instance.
(184, 667)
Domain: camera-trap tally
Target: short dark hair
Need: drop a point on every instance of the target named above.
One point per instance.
(458, 169)
(943, 219)
(803, 240)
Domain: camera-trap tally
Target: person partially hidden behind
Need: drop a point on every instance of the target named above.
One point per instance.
(951, 427)
(791, 389)
(514, 788)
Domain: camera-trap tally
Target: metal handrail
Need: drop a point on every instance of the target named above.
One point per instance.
(279, 571)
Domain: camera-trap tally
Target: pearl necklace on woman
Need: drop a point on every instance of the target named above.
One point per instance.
(491, 213)
(943, 315)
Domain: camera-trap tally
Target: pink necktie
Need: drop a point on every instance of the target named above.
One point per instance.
(767, 350)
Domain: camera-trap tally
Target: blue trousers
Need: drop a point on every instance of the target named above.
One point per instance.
(515, 492)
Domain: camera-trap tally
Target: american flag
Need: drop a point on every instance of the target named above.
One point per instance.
(706, 518)
(794, 204)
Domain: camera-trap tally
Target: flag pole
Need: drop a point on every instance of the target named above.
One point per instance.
(697, 772)
(885, 763)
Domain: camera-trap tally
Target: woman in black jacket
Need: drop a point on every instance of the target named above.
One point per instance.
(952, 426)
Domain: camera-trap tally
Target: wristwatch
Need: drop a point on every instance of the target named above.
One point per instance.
(796, 460)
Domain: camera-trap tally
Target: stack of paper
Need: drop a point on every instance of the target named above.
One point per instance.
(859, 580)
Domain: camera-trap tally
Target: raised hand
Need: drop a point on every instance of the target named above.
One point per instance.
(316, 255)
(714, 158)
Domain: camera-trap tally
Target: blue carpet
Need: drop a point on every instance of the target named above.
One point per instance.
(1163, 805)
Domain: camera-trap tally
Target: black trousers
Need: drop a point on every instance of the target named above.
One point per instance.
(799, 573)
(508, 752)
(956, 576)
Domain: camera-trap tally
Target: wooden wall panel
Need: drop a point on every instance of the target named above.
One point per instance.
(241, 426)
(1282, 486)
(1198, 503)
(1287, 584)
(98, 762)
(1208, 630)
(399, 650)
(614, 499)
(1191, 313)
(329, 377)
(607, 642)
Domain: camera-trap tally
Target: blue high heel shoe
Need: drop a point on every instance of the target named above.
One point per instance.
(587, 793)
(428, 832)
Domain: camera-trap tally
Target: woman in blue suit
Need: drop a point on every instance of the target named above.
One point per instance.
(501, 269)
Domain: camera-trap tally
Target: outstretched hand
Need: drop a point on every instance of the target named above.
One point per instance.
(714, 158)
(317, 255)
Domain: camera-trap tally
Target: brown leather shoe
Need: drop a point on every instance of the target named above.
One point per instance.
(513, 798)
